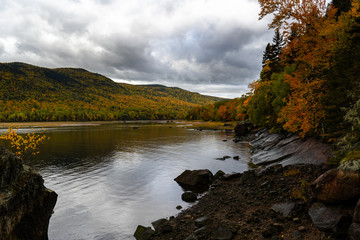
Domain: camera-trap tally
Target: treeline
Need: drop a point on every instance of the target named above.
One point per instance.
(310, 81)
(30, 93)
(226, 110)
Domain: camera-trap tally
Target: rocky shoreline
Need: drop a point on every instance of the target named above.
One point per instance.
(282, 199)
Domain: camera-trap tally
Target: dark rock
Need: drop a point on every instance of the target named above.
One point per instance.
(243, 128)
(285, 209)
(354, 231)
(275, 228)
(226, 157)
(219, 174)
(178, 207)
(270, 148)
(221, 159)
(162, 226)
(337, 185)
(25, 204)
(201, 230)
(236, 157)
(189, 197)
(356, 216)
(297, 235)
(231, 176)
(192, 237)
(324, 218)
(223, 234)
(143, 233)
(247, 177)
(202, 221)
(266, 233)
(196, 180)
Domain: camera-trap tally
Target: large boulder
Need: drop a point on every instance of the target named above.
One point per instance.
(25, 204)
(337, 185)
(195, 180)
(329, 219)
(243, 128)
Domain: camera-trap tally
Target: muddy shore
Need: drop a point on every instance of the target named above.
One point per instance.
(241, 208)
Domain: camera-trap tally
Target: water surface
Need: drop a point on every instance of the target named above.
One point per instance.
(111, 178)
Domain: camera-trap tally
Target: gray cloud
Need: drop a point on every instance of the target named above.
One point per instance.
(152, 41)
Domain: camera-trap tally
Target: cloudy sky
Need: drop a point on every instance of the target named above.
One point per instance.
(209, 46)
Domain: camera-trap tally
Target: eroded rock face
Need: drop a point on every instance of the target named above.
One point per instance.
(25, 204)
(337, 185)
(271, 148)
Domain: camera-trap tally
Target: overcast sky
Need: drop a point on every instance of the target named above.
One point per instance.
(209, 46)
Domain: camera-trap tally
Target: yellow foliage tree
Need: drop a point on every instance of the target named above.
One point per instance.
(24, 146)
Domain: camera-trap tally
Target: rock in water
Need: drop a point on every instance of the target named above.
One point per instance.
(189, 197)
(25, 204)
(196, 180)
(143, 233)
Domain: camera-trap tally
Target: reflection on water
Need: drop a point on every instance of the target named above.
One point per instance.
(110, 178)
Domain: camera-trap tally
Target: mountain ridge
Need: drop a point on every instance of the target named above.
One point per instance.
(32, 93)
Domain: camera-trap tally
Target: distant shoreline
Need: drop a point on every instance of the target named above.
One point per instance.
(198, 125)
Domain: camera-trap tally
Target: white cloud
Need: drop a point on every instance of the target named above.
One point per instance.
(187, 42)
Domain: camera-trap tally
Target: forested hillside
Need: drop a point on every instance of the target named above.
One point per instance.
(31, 93)
(310, 81)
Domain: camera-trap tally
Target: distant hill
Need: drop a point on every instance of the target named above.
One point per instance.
(31, 93)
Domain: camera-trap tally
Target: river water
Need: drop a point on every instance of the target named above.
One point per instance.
(112, 177)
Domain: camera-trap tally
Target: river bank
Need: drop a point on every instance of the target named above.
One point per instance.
(283, 198)
(241, 208)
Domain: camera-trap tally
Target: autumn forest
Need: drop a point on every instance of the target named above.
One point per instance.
(33, 93)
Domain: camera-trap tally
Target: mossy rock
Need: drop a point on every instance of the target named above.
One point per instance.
(351, 162)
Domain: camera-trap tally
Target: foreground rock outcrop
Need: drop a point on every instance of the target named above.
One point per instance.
(25, 204)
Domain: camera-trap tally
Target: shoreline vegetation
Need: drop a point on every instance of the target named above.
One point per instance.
(197, 125)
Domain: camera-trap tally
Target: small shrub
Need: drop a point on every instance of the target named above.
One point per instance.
(24, 146)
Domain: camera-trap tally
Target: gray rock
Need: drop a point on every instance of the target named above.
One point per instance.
(324, 218)
(354, 231)
(196, 180)
(189, 197)
(143, 233)
(269, 148)
(223, 234)
(285, 209)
